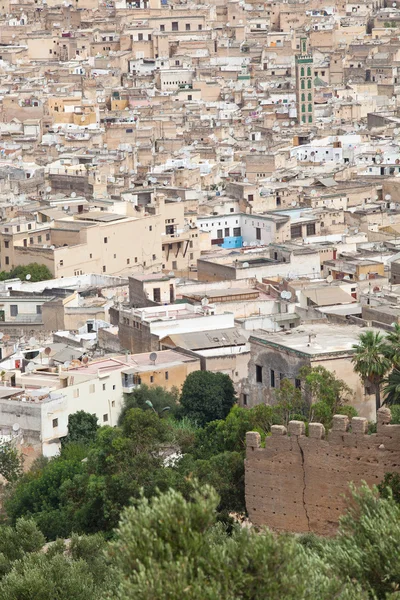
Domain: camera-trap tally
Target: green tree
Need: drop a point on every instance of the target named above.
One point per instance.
(392, 345)
(17, 541)
(289, 402)
(207, 396)
(54, 575)
(366, 547)
(82, 428)
(10, 461)
(170, 547)
(158, 397)
(370, 362)
(390, 487)
(391, 388)
(38, 493)
(36, 271)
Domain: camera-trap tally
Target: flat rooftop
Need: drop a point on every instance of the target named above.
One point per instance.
(137, 362)
(314, 340)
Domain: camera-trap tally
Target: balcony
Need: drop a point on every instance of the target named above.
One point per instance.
(130, 381)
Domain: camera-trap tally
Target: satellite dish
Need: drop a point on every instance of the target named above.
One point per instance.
(329, 279)
(153, 357)
(48, 189)
(171, 274)
(30, 367)
(67, 364)
(16, 427)
(73, 194)
(161, 149)
(85, 360)
(362, 276)
(32, 341)
(245, 265)
(28, 276)
(204, 301)
(294, 203)
(47, 351)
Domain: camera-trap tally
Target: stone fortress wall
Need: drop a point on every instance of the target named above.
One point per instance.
(299, 483)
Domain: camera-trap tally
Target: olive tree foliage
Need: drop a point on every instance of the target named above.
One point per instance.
(171, 548)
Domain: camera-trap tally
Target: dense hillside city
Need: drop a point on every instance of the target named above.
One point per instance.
(199, 300)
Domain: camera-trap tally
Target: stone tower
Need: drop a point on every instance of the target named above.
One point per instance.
(304, 85)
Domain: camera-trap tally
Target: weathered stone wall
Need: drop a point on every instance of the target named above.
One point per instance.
(299, 484)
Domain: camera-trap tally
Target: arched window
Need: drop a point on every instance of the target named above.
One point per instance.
(309, 71)
(309, 84)
(302, 84)
(303, 108)
(303, 118)
(310, 118)
(303, 97)
(309, 97)
(302, 72)
(310, 108)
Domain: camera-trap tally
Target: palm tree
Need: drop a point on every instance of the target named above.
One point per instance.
(392, 346)
(392, 388)
(370, 361)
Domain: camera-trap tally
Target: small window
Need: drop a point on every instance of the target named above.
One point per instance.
(38, 309)
(259, 374)
(106, 240)
(104, 268)
(187, 27)
(114, 387)
(105, 418)
(151, 378)
(92, 388)
(104, 387)
(14, 310)
(244, 397)
(162, 27)
(297, 383)
(39, 239)
(55, 423)
(272, 378)
(166, 375)
(76, 393)
(150, 227)
(7, 260)
(113, 404)
(258, 233)
(174, 25)
(6, 244)
(128, 261)
(140, 37)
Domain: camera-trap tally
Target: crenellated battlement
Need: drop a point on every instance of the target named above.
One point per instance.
(299, 483)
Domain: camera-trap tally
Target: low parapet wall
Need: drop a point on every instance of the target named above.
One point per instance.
(299, 483)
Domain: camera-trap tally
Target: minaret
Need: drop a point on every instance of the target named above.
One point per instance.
(305, 85)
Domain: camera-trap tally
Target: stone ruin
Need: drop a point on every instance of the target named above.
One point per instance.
(299, 483)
